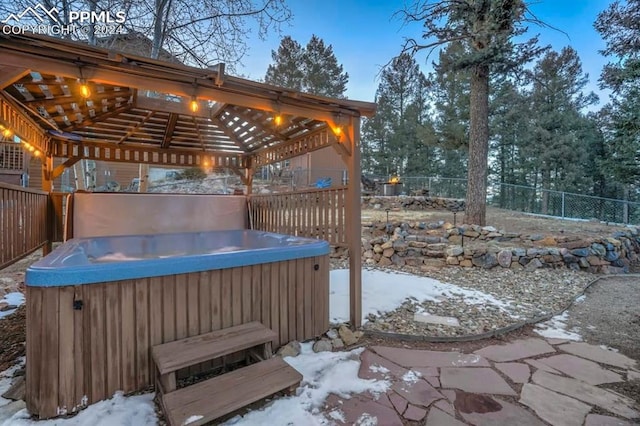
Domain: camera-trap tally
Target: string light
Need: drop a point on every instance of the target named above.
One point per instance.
(6, 132)
(85, 90)
(194, 106)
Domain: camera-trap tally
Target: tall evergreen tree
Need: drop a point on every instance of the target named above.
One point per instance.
(285, 70)
(558, 101)
(323, 75)
(312, 69)
(451, 103)
(487, 28)
(510, 120)
(394, 139)
(620, 29)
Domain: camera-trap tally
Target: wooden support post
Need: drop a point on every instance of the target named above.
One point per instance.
(78, 173)
(354, 225)
(47, 186)
(143, 182)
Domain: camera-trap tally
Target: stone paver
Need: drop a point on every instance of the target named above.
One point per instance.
(599, 420)
(480, 380)
(411, 358)
(508, 414)
(590, 394)
(540, 366)
(557, 409)
(414, 413)
(449, 394)
(581, 369)
(516, 350)
(419, 393)
(373, 366)
(438, 417)
(353, 410)
(517, 372)
(382, 399)
(399, 403)
(445, 406)
(433, 381)
(427, 318)
(442, 388)
(597, 354)
(427, 371)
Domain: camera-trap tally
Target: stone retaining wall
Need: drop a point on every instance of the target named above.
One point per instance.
(413, 203)
(439, 244)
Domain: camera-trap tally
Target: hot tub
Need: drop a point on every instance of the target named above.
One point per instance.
(95, 306)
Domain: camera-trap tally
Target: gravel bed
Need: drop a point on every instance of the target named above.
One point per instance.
(526, 296)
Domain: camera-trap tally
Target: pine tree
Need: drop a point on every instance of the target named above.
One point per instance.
(619, 27)
(312, 69)
(451, 99)
(285, 70)
(557, 104)
(322, 73)
(394, 140)
(487, 28)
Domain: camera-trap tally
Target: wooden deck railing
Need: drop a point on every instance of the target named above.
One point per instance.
(23, 222)
(314, 213)
(11, 156)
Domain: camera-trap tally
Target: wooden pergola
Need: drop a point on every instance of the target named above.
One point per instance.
(140, 110)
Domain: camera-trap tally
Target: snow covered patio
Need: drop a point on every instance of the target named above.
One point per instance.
(528, 380)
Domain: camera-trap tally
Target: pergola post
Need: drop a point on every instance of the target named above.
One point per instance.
(354, 225)
(47, 186)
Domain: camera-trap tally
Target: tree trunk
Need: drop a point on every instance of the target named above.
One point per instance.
(476, 208)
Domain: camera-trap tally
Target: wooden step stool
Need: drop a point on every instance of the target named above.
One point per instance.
(205, 401)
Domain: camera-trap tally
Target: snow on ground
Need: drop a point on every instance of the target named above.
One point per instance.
(384, 291)
(324, 373)
(118, 411)
(6, 377)
(15, 299)
(556, 328)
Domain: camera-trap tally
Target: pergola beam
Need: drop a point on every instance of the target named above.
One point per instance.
(168, 132)
(62, 167)
(181, 83)
(14, 118)
(136, 127)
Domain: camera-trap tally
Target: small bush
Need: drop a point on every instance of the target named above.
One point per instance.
(194, 173)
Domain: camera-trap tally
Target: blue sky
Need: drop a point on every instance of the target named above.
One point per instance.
(365, 35)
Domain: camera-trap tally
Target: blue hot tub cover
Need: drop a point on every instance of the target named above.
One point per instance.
(105, 259)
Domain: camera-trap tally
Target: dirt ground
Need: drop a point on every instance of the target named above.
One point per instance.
(610, 314)
(507, 220)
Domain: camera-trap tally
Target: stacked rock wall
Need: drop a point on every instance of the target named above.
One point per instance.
(439, 244)
(413, 203)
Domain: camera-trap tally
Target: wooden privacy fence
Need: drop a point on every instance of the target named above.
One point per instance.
(314, 213)
(23, 222)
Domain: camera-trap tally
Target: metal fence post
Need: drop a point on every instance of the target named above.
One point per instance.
(563, 205)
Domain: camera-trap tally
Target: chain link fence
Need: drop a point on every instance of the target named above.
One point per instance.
(526, 199)
(563, 204)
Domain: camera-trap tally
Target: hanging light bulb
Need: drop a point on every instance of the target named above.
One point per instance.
(7, 133)
(277, 120)
(85, 91)
(194, 106)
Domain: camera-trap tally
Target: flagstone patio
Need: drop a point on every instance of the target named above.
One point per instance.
(526, 382)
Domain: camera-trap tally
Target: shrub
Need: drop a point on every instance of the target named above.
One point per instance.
(194, 173)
